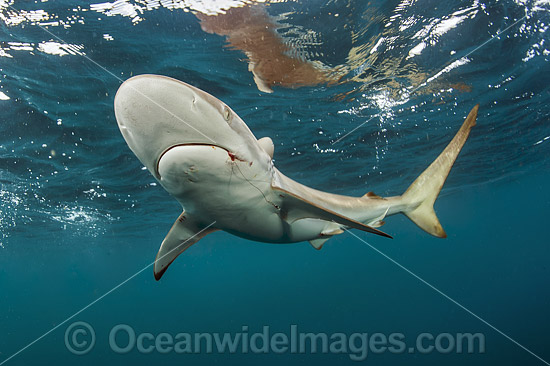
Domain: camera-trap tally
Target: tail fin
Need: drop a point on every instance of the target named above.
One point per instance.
(422, 193)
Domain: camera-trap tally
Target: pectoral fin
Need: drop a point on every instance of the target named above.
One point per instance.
(181, 236)
(296, 207)
(318, 243)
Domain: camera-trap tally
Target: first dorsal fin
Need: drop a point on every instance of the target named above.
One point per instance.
(267, 145)
(184, 233)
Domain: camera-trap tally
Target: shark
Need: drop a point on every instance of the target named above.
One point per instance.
(205, 156)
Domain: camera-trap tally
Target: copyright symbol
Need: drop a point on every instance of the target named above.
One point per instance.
(79, 338)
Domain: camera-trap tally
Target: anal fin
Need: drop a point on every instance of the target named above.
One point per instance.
(182, 235)
(379, 221)
(326, 235)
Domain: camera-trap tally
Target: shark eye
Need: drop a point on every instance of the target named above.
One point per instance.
(226, 113)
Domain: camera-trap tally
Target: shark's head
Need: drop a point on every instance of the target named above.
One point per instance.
(156, 113)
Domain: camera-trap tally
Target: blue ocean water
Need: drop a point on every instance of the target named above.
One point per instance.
(81, 220)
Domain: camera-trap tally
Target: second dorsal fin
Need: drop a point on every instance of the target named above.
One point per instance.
(372, 195)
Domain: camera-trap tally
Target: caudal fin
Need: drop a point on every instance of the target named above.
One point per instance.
(422, 193)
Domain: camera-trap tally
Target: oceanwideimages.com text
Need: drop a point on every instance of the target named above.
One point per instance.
(123, 338)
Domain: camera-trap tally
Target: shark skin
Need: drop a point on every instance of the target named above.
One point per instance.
(206, 157)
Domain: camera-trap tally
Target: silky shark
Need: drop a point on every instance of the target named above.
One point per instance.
(207, 158)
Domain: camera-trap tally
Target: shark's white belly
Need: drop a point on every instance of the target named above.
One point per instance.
(212, 184)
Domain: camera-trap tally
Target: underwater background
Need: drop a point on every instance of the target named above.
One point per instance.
(382, 88)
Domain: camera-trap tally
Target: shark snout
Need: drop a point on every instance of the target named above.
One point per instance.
(156, 113)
